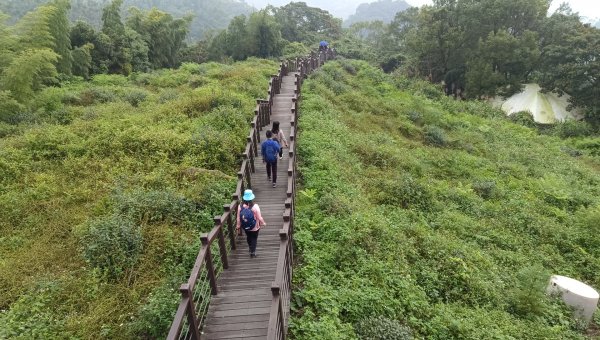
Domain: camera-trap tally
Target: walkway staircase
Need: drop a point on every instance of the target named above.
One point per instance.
(241, 308)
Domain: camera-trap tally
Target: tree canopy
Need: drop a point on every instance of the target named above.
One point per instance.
(490, 47)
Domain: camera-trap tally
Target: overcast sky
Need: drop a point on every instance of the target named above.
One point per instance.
(587, 8)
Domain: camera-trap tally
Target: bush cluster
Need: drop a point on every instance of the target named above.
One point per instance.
(442, 220)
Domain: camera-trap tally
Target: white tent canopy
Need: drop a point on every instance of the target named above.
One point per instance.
(546, 108)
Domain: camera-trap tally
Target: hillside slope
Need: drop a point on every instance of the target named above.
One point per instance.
(105, 188)
(420, 215)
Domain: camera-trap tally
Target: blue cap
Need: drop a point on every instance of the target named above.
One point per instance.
(248, 195)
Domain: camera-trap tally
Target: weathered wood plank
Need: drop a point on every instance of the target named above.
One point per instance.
(241, 309)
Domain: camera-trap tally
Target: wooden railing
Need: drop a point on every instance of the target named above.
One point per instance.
(202, 283)
(281, 288)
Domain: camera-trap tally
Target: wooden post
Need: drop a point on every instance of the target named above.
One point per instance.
(250, 157)
(259, 121)
(210, 268)
(230, 225)
(241, 177)
(247, 173)
(222, 246)
(193, 324)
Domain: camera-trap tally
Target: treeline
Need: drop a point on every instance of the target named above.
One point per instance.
(207, 15)
(273, 32)
(42, 48)
(488, 48)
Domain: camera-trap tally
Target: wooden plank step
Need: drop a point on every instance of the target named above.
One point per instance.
(241, 312)
(241, 309)
(211, 320)
(239, 299)
(233, 327)
(238, 334)
(243, 305)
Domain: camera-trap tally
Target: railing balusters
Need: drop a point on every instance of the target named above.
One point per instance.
(222, 246)
(209, 265)
(186, 293)
(281, 288)
(230, 225)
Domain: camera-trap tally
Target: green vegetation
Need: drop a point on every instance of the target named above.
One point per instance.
(487, 48)
(421, 216)
(104, 188)
(270, 31)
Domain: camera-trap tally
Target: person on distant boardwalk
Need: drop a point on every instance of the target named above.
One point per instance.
(323, 45)
(250, 219)
(269, 150)
(279, 137)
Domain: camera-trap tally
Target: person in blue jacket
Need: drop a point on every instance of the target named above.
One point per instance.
(269, 151)
(323, 45)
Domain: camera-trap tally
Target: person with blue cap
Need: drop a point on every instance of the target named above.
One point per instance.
(323, 45)
(250, 219)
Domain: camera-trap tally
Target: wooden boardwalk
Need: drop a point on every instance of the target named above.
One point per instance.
(241, 308)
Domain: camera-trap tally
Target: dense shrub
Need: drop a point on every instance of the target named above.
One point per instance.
(34, 316)
(524, 118)
(96, 95)
(573, 128)
(135, 97)
(167, 95)
(109, 79)
(485, 189)
(9, 107)
(112, 244)
(86, 176)
(156, 315)
(381, 328)
(435, 136)
(157, 206)
(446, 243)
(404, 191)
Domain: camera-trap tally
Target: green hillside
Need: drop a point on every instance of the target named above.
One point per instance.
(420, 215)
(104, 188)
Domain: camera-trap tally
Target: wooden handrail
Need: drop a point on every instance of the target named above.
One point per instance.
(186, 314)
(281, 286)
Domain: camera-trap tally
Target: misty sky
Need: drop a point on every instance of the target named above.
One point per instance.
(589, 9)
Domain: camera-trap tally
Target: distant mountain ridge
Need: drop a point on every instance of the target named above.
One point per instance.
(208, 14)
(384, 10)
(339, 9)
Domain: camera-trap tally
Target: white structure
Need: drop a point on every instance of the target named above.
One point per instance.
(576, 294)
(546, 108)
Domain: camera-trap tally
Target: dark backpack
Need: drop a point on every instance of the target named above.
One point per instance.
(247, 219)
(271, 151)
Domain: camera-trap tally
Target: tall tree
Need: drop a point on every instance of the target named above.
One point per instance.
(264, 34)
(237, 44)
(33, 30)
(8, 43)
(119, 58)
(301, 23)
(28, 71)
(163, 35)
(82, 60)
(59, 28)
(570, 61)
